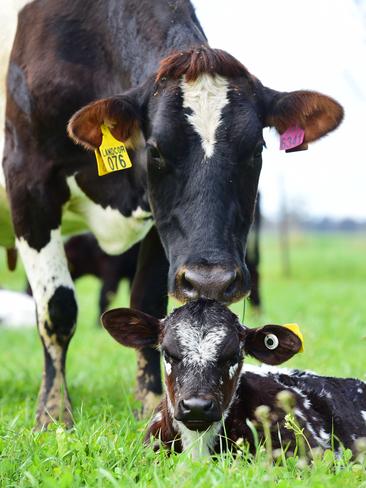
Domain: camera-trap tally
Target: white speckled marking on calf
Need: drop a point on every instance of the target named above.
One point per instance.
(199, 349)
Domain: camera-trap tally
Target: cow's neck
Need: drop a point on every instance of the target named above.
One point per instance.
(139, 33)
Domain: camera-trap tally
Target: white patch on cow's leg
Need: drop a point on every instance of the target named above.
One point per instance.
(206, 97)
(50, 281)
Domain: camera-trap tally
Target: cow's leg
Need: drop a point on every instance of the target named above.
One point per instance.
(53, 292)
(107, 293)
(36, 205)
(149, 294)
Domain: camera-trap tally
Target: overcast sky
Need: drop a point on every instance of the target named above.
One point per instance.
(312, 44)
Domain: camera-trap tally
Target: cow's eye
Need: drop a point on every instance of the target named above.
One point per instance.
(154, 151)
(230, 361)
(155, 157)
(169, 357)
(258, 149)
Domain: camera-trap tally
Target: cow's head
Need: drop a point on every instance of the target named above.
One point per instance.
(203, 346)
(201, 121)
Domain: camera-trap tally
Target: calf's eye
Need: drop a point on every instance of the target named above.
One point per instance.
(271, 341)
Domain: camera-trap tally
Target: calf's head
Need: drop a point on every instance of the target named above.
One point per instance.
(203, 346)
(200, 122)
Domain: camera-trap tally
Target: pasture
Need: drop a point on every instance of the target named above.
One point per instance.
(325, 294)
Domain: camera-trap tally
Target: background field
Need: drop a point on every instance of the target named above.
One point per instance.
(326, 294)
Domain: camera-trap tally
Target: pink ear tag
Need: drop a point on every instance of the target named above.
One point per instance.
(292, 137)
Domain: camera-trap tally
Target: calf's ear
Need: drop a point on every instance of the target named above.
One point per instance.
(314, 112)
(121, 114)
(273, 344)
(132, 328)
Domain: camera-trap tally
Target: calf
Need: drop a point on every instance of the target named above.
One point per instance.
(210, 393)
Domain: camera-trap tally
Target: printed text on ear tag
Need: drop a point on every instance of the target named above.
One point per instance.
(296, 330)
(112, 154)
(292, 137)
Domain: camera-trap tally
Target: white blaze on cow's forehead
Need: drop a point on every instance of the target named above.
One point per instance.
(198, 346)
(363, 414)
(206, 97)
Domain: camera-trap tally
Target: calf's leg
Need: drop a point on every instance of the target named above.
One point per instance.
(149, 294)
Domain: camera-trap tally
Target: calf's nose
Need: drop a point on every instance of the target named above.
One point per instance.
(215, 282)
(197, 410)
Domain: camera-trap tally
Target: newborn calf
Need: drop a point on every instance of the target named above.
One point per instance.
(210, 394)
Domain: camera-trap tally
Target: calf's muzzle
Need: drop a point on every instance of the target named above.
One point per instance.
(197, 413)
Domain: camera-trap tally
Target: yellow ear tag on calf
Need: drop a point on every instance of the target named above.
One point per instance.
(112, 154)
(296, 330)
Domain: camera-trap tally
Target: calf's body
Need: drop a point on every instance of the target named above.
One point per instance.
(212, 400)
(331, 412)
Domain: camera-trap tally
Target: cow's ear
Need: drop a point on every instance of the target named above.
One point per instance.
(314, 112)
(121, 114)
(273, 344)
(132, 328)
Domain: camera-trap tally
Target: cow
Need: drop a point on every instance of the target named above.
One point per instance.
(212, 400)
(191, 120)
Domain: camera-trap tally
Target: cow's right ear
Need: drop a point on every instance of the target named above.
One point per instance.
(121, 114)
(132, 328)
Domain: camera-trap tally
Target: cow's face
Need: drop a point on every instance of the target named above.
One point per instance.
(203, 347)
(201, 124)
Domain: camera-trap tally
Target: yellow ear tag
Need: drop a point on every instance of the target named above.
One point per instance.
(112, 154)
(296, 330)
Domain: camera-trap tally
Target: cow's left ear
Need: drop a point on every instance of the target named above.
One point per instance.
(121, 114)
(273, 344)
(314, 112)
(132, 328)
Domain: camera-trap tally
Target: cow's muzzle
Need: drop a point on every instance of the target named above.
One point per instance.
(197, 413)
(215, 282)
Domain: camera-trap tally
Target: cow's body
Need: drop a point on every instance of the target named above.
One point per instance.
(331, 412)
(193, 129)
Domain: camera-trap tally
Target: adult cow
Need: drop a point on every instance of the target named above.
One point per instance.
(191, 118)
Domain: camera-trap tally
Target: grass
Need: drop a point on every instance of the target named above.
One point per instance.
(325, 294)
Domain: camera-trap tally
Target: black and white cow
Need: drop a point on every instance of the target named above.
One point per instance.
(210, 393)
(191, 118)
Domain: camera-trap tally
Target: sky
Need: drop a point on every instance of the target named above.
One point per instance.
(316, 45)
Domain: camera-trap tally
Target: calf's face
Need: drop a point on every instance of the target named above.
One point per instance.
(203, 346)
(200, 125)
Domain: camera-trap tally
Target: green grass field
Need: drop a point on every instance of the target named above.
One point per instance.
(325, 294)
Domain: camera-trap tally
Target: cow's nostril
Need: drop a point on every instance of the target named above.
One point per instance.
(208, 406)
(234, 285)
(185, 406)
(187, 285)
